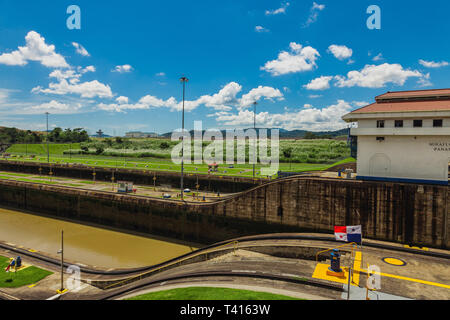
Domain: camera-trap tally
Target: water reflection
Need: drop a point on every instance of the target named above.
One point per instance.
(86, 244)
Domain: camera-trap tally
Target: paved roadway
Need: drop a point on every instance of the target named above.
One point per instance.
(422, 277)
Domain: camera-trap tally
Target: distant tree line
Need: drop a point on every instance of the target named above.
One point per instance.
(57, 135)
(312, 135)
(13, 135)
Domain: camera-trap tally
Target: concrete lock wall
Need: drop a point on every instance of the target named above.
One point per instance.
(215, 183)
(405, 213)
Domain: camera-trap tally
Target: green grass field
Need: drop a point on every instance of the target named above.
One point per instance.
(296, 151)
(210, 293)
(28, 276)
(157, 164)
(41, 149)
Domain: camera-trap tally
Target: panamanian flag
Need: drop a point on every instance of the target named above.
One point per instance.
(348, 234)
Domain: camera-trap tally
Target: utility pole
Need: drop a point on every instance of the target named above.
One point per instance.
(254, 127)
(349, 282)
(48, 150)
(183, 80)
(62, 263)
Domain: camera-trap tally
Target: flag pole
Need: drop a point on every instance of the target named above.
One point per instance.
(362, 255)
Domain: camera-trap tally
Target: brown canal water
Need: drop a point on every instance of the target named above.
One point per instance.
(85, 244)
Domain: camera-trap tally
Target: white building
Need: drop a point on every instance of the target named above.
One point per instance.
(138, 134)
(404, 137)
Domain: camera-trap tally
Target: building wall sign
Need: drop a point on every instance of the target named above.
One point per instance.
(440, 146)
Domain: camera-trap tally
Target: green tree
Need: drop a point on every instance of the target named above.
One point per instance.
(164, 145)
(310, 135)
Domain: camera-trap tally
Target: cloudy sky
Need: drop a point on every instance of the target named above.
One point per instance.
(306, 63)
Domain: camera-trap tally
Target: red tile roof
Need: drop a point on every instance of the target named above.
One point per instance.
(409, 101)
(436, 93)
(407, 106)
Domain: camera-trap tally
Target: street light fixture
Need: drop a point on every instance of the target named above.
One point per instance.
(183, 80)
(254, 127)
(61, 252)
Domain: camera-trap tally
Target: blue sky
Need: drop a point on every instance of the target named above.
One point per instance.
(306, 63)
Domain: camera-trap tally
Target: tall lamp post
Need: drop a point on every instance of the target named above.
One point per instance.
(48, 150)
(61, 252)
(183, 80)
(254, 127)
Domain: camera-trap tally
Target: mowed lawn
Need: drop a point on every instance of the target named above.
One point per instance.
(41, 149)
(153, 164)
(28, 276)
(210, 293)
(168, 166)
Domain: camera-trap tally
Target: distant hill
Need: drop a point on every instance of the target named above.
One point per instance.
(103, 136)
(286, 134)
(296, 134)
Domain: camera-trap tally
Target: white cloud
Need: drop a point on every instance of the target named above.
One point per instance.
(315, 96)
(35, 50)
(340, 52)
(122, 100)
(144, 103)
(69, 106)
(328, 118)
(87, 69)
(218, 114)
(314, 13)
(372, 76)
(378, 57)
(71, 74)
(319, 7)
(299, 59)
(432, 64)
(4, 95)
(261, 29)
(307, 106)
(123, 69)
(88, 89)
(360, 103)
(161, 74)
(68, 74)
(154, 102)
(51, 106)
(223, 101)
(425, 81)
(80, 49)
(254, 95)
(278, 11)
(321, 83)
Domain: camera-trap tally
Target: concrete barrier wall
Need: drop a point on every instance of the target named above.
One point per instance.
(168, 218)
(405, 213)
(225, 184)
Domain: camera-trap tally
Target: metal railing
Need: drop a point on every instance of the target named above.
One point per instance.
(143, 275)
(353, 244)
